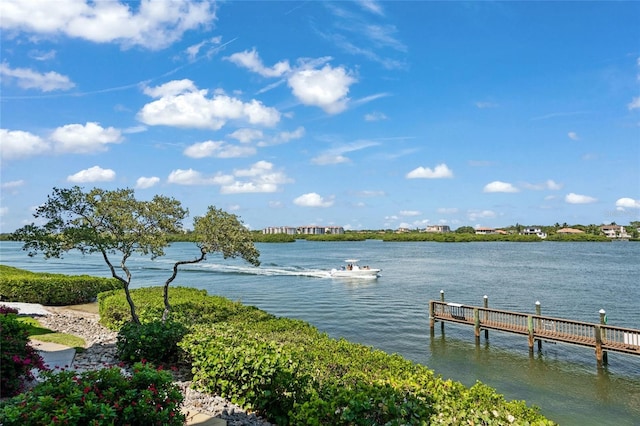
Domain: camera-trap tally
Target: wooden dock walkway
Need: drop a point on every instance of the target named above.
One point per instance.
(602, 337)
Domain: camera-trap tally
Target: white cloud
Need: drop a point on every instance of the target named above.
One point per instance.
(12, 184)
(327, 159)
(251, 60)
(439, 172)
(549, 184)
(153, 24)
(326, 88)
(180, 104)
(447, 210)
(627, 203)
(18, 144)
(79, 139)
(147, 182)
(218, 149)
(186, 177)
(573, 136)
(572, 198)
(312, 199)
(498, 186)
(92, 174)
(375, 116)
(246, 135)
(409, 213)
(29, 79)
(474, 215)
(634, 104)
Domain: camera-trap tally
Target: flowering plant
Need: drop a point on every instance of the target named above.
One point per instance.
(148, 396)
(18, 358)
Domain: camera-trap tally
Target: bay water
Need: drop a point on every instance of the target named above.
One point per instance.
(570, 280)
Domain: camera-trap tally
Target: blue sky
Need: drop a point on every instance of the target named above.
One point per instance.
(367, 115)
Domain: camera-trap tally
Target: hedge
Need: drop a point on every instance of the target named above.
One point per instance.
(18, 285)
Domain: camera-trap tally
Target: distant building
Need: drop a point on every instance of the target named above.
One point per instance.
(485, 231)
(306, 230)
(289, 230)
(569, 231)
(534, 231)
(614, 231)
(438, 228)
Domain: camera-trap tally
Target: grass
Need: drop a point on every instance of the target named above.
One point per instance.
(37, 332)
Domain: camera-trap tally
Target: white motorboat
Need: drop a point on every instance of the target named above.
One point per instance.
(353, 270)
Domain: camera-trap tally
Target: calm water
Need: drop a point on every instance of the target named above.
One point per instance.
(571, 280)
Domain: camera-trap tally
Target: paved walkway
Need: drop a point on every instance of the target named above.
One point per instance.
(57, 356)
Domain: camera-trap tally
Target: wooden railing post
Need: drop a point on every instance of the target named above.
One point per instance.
(603, 335)
(531, 338)
(476, 321)
(432, 319)
(539, 325)
(486, 315)
(442, 300)
(599, 352)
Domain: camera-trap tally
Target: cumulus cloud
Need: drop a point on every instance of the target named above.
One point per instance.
(247, 135)
(313, 199)
(447, 210)
(29, 79)
(410, 213)
(572, 198)
(627, 203)
(251, 60)
(218, 149)
(261, 177)
(152, 24)
(439, 172)
(92, 174)
(83, 139)
(181, 104)
(147, 182)
(16, 144)
(498, 186)
(634, 104)
(573, 136)
(326, 88)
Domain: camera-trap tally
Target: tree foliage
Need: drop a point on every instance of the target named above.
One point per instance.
(112, 223)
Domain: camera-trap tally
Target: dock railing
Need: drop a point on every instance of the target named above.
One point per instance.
(603, 338)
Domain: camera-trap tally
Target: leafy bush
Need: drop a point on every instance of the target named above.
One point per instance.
(17, 357)
(17, 285)
(153, 341)
(106, 396)
(258, 375)
(189, 306)
(363, 404)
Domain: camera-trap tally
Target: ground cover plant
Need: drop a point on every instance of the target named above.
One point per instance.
(102, 397)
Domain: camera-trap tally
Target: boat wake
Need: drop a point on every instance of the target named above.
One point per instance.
(265, 270)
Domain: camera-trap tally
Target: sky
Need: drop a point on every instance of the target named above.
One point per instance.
(362, 114)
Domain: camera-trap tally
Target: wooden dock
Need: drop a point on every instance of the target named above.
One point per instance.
(602, 337)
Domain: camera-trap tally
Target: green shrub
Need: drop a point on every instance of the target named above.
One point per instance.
(17, 285)
(258, 375)
(18, 357)
(101, 397)
(153, 341)
(363, 404)
(189, 306)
